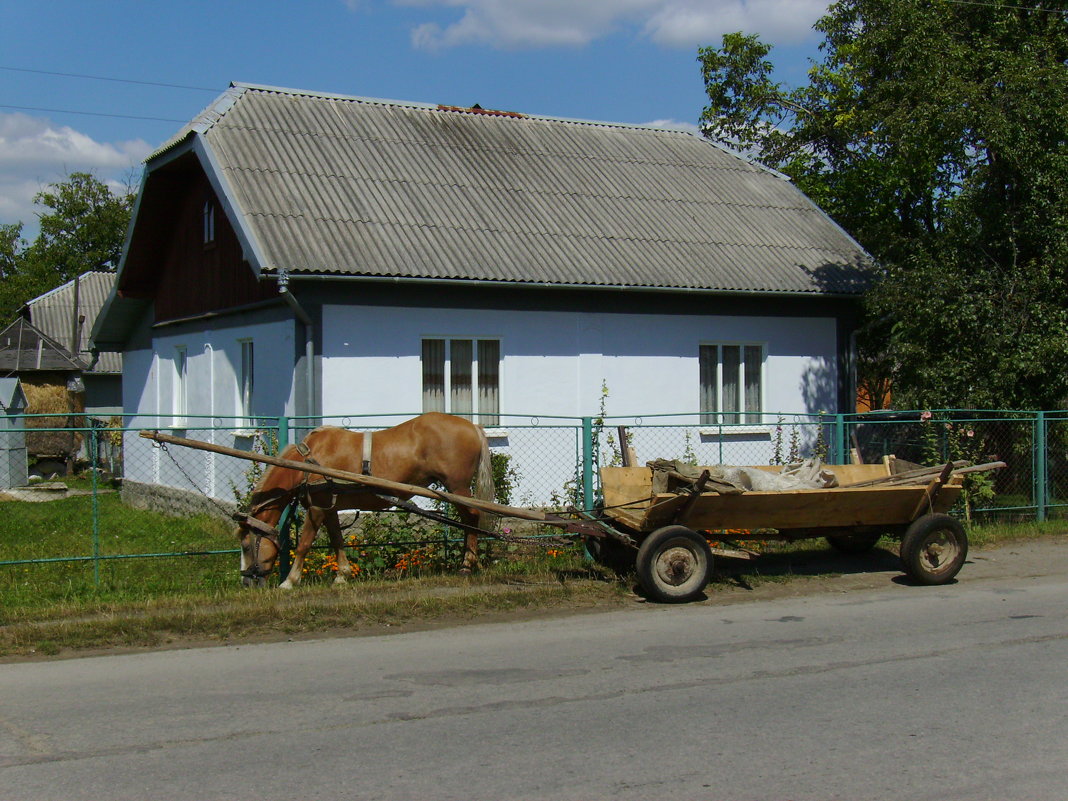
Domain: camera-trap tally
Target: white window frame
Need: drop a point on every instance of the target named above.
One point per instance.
(208, 222)
(246, 381)
(180, 388)
(486, 417)
(740, 416)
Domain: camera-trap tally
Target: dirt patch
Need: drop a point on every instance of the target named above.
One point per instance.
(41, 493)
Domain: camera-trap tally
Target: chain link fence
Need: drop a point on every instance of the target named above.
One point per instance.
(130, 500)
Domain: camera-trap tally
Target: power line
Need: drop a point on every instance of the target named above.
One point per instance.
(1003, 5)
(114, 80)
(90, 113)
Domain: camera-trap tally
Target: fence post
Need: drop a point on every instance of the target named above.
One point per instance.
(93, 469)
(587, 462)
(283, 432)
(285, 522)
(1041, 490)
(840, 449)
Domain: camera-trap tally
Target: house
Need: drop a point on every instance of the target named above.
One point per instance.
(66, 314)
(317, 255)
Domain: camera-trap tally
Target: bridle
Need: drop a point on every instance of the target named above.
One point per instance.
(259, 531)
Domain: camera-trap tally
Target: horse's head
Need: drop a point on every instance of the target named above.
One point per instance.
(259, 550)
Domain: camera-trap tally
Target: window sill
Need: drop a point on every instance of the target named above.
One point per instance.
(496, 433)
(245, 432)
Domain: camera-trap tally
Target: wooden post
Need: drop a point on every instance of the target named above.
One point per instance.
(932, 490)
(626, 453)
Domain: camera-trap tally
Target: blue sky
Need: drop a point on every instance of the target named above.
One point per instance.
(618, 60)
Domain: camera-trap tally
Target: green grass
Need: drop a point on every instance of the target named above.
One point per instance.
(50, 607)
(55, 607)
(64, 529)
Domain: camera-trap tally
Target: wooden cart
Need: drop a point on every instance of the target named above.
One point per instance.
(664, 536)
(671, 531)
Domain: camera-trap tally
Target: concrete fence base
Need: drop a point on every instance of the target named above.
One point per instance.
(173, 501)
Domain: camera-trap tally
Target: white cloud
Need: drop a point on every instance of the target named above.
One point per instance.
(685, 23)
(673, 23)
(35, 152)
(674, 125)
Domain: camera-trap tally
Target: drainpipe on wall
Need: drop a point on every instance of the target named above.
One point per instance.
(309, 342)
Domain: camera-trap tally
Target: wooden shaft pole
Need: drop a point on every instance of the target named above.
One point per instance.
(343, 475)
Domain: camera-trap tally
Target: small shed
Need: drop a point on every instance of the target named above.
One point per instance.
(66, 314)
(51, 379)
(13, 471)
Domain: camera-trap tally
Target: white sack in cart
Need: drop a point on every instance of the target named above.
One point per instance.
(809, 474)
(674, 476)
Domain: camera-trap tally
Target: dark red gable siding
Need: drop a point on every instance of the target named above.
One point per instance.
(197, 277)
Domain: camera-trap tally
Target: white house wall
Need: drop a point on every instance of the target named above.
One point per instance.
(555, 363)
(213, 405)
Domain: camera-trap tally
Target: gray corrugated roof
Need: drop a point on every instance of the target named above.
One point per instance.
(350, 186)
(52, 311)
(23, 348)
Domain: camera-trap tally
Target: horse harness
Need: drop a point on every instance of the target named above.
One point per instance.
(260, 530)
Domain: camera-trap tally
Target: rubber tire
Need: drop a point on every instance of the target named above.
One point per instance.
(674, 564)
(919, 559)
(610, 553)
(853, 544)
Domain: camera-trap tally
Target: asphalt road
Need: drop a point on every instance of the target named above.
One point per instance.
(896, 692)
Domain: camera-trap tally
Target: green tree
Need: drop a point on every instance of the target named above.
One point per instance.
(82, 228)
(12, 277)
(937, 134)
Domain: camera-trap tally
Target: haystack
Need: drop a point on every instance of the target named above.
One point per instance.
(47, 393)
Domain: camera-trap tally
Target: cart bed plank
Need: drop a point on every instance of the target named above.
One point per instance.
(627, 492)
(813, 508)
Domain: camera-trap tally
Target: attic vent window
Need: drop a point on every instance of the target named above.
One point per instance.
(209, 222)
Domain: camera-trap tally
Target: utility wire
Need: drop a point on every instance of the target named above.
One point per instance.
(90, 113)
(115, 80)
(1003, 5)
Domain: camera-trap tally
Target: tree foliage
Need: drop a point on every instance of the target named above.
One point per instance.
(937, 134)
(82, 228)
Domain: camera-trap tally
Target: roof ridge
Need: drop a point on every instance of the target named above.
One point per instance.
(453, 109)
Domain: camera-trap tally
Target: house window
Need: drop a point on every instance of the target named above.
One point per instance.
(246, 378)
(462, 377)
(208, 216)
(181, 387)
(732, 383)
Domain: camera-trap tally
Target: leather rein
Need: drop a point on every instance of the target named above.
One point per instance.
(280, 500)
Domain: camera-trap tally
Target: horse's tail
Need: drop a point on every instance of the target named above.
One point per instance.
(484, 487)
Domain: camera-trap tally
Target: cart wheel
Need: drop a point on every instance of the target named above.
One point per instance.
(612, 554)
(933, 549)
(853, 544)
(674, 564)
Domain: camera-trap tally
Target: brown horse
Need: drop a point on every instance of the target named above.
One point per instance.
(433, 448)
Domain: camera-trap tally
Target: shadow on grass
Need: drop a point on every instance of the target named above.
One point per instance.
(592, 573)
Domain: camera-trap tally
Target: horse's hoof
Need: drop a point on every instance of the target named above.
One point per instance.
(285, 585)
(340, 580)
(466, 571)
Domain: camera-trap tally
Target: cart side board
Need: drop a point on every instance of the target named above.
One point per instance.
(839, 507)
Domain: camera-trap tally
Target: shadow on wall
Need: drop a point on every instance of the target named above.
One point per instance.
(819, 387)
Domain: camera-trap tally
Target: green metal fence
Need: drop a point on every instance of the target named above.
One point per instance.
(542, 461)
